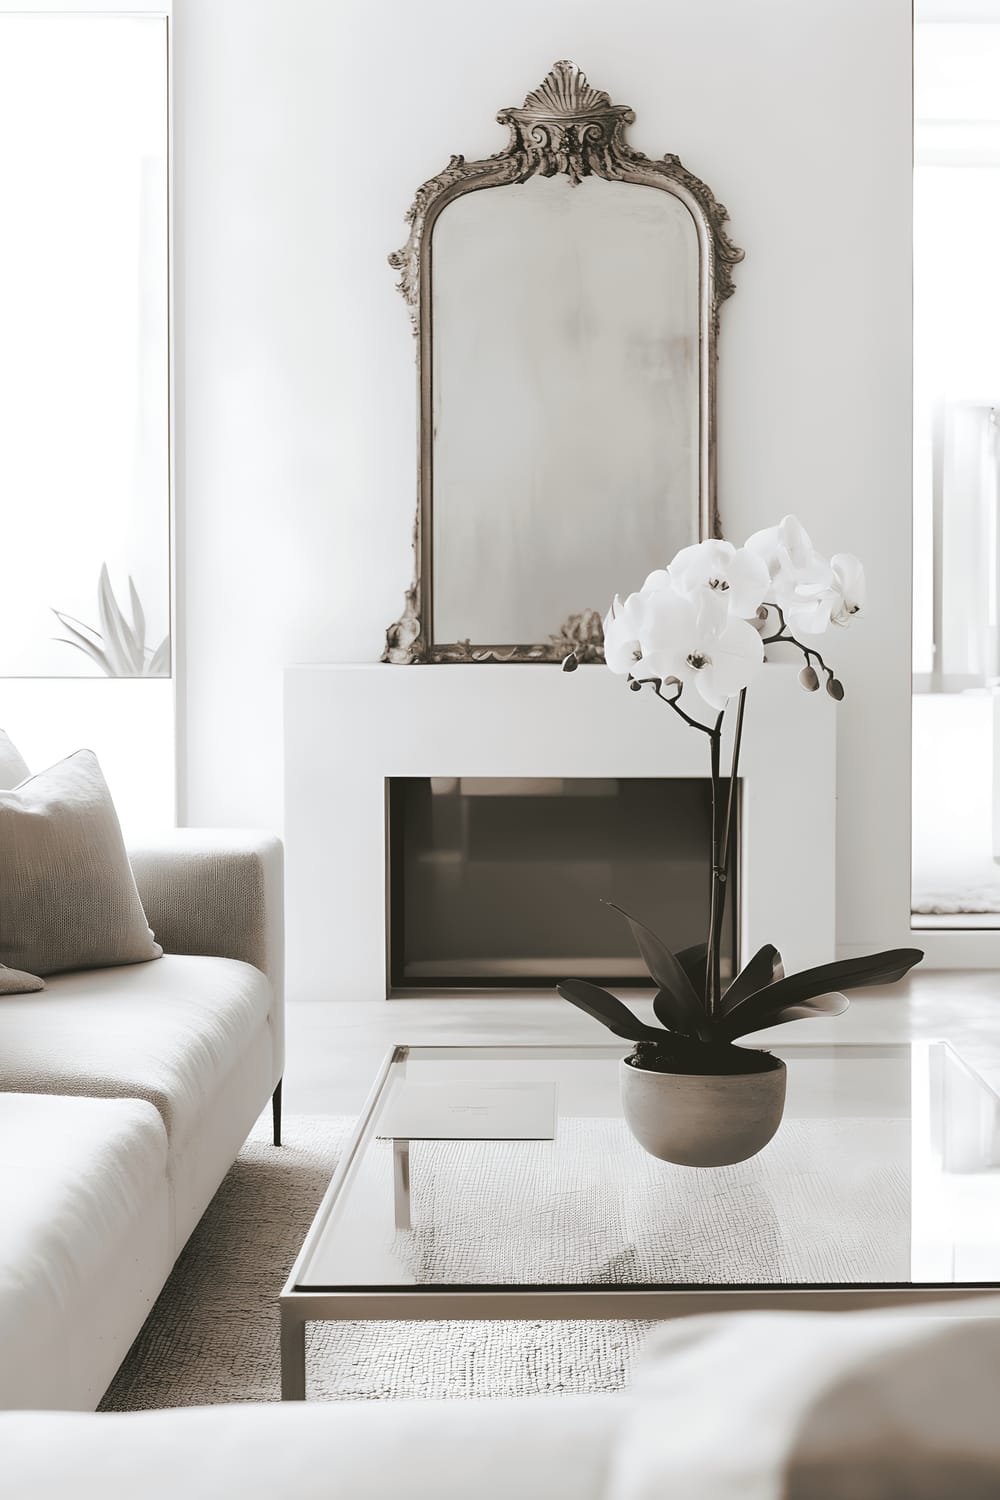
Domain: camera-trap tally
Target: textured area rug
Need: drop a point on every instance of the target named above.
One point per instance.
(213, 1333)
(590, 1206)
(826, 1202)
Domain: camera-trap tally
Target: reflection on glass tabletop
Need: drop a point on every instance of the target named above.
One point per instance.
(884, 1172)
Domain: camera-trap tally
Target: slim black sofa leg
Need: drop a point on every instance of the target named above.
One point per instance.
(276, 1112)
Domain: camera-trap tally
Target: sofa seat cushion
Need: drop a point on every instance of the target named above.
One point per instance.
(887, 1404)
(528, 1448)
(83, 1241)
(168, 1032)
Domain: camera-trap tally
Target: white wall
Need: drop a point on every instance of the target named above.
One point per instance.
(128, 722)
(303, 128)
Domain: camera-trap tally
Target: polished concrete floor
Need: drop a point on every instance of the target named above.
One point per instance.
(333, 1048)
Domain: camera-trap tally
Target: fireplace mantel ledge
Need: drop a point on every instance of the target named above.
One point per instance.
(349, 727)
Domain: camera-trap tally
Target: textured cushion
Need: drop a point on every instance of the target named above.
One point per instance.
(12, 765)
(168, 1032)
(84, 1242)
(17, 982)
(67, 896)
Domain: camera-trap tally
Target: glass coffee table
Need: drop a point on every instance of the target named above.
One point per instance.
(881, 1187)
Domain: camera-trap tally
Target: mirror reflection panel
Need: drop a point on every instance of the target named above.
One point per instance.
(565, 401)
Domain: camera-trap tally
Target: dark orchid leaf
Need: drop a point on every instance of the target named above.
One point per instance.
(846, 974)
(678, 996)
(693, 961)
(763, 969)
(687, 1023)
(608, 1010)
(831, 1004)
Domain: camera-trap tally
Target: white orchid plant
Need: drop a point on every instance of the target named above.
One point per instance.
(698, 630)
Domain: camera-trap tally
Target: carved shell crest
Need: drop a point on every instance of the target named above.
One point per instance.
(566, 92)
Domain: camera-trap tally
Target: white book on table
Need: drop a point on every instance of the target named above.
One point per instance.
(470, 1112)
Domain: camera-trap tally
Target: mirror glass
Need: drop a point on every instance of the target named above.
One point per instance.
(566, 401)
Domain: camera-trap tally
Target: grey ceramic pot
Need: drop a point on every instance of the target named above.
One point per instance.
(703, 1121)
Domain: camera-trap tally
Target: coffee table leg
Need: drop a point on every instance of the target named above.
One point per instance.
(401, 1183)
(293, 1355)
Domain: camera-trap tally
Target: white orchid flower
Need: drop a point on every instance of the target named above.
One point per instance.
(699, 644)
(740, 576)
(786, 549)
(801, 578)
(815, 609)
(658, 579)
(850, 588)
(621, 633)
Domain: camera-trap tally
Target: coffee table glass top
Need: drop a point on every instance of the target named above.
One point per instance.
(885, 1171)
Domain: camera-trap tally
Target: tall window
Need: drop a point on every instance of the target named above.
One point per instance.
(956, 640)
(85, 607)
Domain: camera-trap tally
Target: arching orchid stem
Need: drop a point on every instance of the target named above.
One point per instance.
(673, 703)
(717, 904)
(782, 626)
(809, 652)
(734, 771)
(784, 638)
(721, 828)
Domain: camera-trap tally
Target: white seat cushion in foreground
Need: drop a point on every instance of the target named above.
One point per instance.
(525, 1449)
(84, 1242)
(167, 1032)
(813, 1406)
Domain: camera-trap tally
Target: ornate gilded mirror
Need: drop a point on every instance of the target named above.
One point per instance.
(566, 324)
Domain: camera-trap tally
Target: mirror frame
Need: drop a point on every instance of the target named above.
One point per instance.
(567, 126)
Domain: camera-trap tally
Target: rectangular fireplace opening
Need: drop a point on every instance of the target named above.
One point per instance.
(498, 882)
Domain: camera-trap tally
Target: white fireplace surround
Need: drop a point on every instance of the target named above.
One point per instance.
(349, 728)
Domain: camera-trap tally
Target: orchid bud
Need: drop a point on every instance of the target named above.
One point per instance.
(835, 688)
(809, 679)
(635, 686)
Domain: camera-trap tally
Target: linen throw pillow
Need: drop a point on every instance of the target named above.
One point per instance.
(13, 769)
(68, 899)
(16, 982)
(12, 766)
